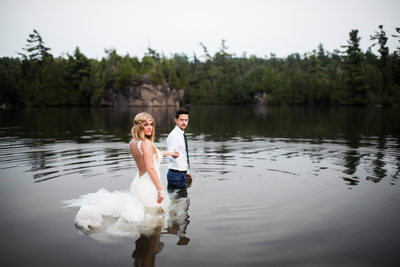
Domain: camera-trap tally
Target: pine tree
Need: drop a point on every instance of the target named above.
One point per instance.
(384, 65)
(36, 48)
(354, 60)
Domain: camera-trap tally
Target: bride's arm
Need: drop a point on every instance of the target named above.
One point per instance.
(174, 154)
(149, 163)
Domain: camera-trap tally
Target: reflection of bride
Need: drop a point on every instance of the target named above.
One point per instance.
(142, 209)
(148, 245)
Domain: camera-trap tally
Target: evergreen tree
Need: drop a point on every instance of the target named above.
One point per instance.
(153, 54)
(36, 48)
(127, 74)
(182, 67)
(354, 62)
(397, 36)
(396, 69)
(78, 71)
(381, 40)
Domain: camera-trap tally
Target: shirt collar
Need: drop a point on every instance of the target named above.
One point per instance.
(179, 129)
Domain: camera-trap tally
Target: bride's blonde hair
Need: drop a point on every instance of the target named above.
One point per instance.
(137, 130)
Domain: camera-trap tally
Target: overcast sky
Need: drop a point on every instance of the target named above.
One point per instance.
(257, 27)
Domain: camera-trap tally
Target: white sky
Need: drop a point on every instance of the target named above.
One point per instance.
(256, 27)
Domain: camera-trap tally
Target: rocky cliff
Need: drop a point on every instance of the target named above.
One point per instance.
(146, 94)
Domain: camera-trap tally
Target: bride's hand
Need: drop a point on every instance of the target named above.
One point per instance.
(175, 154)
(160, 197)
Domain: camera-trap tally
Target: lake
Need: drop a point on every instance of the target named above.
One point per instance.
(273, 186)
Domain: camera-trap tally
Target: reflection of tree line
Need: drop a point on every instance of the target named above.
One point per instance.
(219, 122)
(352, 160)
(348, 125)
(46, 165)
(378, 163)
(47, 125)
(397, 173)
(216, 123)
(149, 245)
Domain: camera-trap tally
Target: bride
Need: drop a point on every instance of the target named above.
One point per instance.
(145, 201)
(147, 185)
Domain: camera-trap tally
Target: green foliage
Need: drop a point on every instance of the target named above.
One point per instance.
(354, 63)
(156, 74)
(78, 70)
(128, 73)
(9, 68)
(384, 64)
(351, 77)
(381, 41)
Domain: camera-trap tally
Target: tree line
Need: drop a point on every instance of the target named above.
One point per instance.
(348, 76)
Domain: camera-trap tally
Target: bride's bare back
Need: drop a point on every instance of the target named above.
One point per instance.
(138, 156)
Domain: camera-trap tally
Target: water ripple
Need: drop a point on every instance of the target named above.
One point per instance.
(372, 160)
(61, 159)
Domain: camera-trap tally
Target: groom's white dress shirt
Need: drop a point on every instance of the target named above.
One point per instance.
(176, 141)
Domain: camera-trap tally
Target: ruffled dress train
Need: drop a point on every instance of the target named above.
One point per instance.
(123, 213)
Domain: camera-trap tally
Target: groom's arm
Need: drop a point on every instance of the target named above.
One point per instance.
(172, 143)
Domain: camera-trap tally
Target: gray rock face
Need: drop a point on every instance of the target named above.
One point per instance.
(145, 94)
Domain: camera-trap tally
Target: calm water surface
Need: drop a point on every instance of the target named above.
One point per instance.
(273, 186)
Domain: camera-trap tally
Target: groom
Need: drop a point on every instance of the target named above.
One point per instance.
(178, 168)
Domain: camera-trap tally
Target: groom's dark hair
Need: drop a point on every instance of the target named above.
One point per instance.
(179, 112)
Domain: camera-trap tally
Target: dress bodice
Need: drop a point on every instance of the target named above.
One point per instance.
(157, 160)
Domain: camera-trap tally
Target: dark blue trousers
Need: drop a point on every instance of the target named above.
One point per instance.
(177, 179)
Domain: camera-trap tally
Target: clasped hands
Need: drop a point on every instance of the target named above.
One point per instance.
(174, 154)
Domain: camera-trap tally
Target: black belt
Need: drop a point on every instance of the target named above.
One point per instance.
(176, 170)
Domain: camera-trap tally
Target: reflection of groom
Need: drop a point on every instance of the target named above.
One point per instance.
(178, 215)
(178, 168)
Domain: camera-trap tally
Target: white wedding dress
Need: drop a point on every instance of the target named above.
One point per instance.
(123, 213)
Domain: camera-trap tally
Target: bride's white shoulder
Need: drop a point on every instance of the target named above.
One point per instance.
(135, 143)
